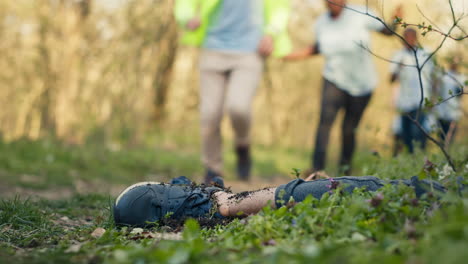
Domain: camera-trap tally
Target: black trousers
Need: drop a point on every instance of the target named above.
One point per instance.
(411, 132)
(334, 99)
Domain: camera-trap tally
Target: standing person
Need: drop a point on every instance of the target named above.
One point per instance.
(448, 113)
(403, 69)
(235, 36)
(349, 76)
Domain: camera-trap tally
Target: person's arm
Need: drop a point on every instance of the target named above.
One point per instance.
(245, 203)
(395, 67)
(388, 31)
(303, 53)
(266, 45)
(395, 76)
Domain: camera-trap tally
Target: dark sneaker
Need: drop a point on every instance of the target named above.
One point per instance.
(213, 178)
(218, 182)
(244, 163)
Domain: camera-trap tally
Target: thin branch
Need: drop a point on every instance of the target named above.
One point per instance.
(453, 78)
(372, 16)
(453, 11)
(383, 58)
(429, 29)
(418, 66)
(439, 47)
(424, 15)
(439, 144)
(462, 29)
(421, 85)
(449, 98)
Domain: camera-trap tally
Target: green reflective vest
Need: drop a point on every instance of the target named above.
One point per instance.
(276, 15)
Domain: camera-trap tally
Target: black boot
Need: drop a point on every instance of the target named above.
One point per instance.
(213, 178)
(244, 162)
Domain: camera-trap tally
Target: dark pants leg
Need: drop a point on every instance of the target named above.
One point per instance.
(300, 189)
(355, 106)
(411, 132)
(397, 145)
(332, 100)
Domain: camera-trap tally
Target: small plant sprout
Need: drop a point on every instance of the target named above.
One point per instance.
(296, 172)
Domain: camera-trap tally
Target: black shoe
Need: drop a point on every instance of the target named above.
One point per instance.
(244, 162)
(213, 178)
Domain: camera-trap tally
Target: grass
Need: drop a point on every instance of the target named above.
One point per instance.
(47, 163)
(53, 163)
(43, 164)
(392, 226)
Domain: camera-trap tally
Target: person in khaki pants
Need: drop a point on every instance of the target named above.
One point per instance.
(235, 37)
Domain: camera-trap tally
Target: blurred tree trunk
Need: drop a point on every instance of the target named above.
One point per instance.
(45, 104)
(166, 37)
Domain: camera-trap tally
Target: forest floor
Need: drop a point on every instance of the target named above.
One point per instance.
(56, 200)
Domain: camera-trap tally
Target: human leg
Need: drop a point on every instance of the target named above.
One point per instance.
(447, 130)
(332, 100)
(213, 79)
(417, 134)
(406, 134)
(299, 189)
(397, 136)
(451, 133)
(444, 128)
(244, 203)
(355, 106)
(241, 89)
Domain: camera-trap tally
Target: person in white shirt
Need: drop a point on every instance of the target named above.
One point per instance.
(349, 76)
(404, 70)
(449, 90)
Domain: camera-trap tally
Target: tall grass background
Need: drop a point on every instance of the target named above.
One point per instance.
(81, 71)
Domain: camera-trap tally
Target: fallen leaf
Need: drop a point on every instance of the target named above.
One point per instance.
(270, 242)
(6, 228)
(358, 237)
(168, 236)
(73, 248)
(98, 232)
(137, 231)
(158, 236)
